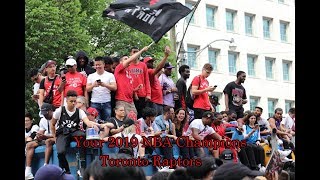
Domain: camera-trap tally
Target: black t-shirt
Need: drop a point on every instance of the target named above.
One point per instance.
(116, 122)
(235, 93)
(182, 91)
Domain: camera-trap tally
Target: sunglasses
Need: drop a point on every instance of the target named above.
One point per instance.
(69, 66)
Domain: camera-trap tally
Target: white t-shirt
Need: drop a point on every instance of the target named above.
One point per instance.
(288, 122)
(36, 88)
(198, 124)
(44, 125)
(263, 122)
(34, 128)
(101, 94)
(57, 114)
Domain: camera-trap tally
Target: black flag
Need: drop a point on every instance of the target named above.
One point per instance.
(152, 17)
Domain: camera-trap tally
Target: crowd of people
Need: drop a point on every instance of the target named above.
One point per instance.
(130, 96)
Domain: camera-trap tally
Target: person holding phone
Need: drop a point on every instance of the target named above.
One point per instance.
(101, 83)
(251, 133)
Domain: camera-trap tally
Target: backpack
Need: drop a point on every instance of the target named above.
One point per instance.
(189, 96)
(127, 150)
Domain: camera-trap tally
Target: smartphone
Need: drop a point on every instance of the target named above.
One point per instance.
(215, 86)
(98, 80)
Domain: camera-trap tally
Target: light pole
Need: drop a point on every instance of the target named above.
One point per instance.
(232, 46)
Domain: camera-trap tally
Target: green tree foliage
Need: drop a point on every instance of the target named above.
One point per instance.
(57, 28)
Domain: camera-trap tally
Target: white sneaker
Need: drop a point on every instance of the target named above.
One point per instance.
(263, 169)
(285, 159)
(28, 175)
(284, 153)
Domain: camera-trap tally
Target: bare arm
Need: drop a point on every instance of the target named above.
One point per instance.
(41, 97)
(167, 52)
(272, 123)
(86, 95)
(226, 101)
(115, 131)
(134, 57)
(195, 134)
(53, 126)
(112, 86)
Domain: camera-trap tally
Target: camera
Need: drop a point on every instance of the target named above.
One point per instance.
(63, 78)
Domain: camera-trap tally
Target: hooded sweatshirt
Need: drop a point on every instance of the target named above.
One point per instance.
(88, 69)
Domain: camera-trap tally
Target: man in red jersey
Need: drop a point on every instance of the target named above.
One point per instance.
(124, 93)
(156, 89)
(139, 73)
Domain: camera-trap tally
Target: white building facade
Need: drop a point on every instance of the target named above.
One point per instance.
(264, 34)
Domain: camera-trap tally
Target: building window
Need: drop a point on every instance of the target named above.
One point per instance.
(269, 68)
(251, 60)
(213, 54)
(288, 104)
(286, 70)
(266, 28)
(248, 24)
(210, 11)
(189, 5)
(192, 62)
(230, 15)
(253, 103)
(283, 31)
(232, 59)
(271, 107)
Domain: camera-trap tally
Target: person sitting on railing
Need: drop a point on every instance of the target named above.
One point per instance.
(68, 118)
(30, 136)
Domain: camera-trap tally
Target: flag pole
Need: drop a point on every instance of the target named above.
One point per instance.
(150, 44)
(184, 33)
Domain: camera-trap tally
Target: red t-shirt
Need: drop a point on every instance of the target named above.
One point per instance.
(56, 94)
(75, 82)
(201, 101)
(220, 129)
(156, 89)
(124, 84)
(139, 74)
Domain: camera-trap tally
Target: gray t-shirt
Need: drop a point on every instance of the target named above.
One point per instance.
(144, 127)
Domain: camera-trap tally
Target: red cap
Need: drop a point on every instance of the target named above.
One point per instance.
(148, 58)
(92, 111)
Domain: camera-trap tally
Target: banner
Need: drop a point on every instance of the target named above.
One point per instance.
(152, 17)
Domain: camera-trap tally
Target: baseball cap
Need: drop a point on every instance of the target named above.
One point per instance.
(167, 65)
(232, 170)
(127, 122)
(147, 59)
(52, 172)
(207, 164)
(45, 108)
(208, 114)
(71, 62)
(49, 62)
(215, 98)
(92, 111)
(226, 156)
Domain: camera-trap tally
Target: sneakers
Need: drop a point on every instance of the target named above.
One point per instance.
(80, 172)
(165, 169)
(28, 175)
(284, 153)
(262, 169)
